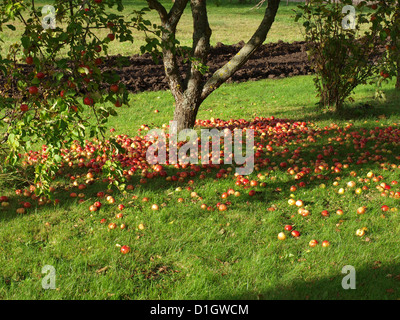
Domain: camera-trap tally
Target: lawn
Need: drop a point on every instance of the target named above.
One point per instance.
(185, 252)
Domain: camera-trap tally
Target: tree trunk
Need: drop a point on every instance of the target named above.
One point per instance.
(185, 113)
(328, 96)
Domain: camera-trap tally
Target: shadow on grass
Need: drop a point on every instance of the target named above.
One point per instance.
(373, 281)
(372, 109)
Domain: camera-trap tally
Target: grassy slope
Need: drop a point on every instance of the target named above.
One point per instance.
(183, 252)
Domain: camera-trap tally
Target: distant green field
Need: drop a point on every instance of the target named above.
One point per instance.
(230, 23)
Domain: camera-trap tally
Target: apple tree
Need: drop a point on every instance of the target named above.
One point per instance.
(57, 101)
(191, 89)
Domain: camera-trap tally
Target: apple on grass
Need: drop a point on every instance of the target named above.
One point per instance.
(325, 243)
(125, 249)
(281, 236)
(313, 243)
(295, 233)
(112, 226)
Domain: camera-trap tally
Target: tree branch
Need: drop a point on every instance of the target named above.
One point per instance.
(175, 13)
(201, 47)
(169, 22)
(162, 12)
(225, 72)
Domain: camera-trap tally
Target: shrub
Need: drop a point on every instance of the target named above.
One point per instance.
(341, 53)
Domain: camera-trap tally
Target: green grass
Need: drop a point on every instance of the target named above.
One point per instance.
(187, 253)
(224, 21)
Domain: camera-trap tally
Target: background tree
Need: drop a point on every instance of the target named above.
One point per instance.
(386, 23)
(190, 91)
(58, 100)
(340, 52)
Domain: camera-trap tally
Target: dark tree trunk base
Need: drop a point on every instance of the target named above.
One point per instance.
(185, 114)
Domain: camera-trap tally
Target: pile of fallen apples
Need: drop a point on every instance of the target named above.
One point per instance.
(303, 151)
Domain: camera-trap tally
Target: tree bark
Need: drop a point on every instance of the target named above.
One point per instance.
(186, 108)
(227, 71)
(185, 112)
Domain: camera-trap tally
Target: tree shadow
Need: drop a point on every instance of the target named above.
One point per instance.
(372, 109)
(373, 282)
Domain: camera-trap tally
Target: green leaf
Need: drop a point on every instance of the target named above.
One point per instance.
(26, 42)
(83, 70)
(58, 76)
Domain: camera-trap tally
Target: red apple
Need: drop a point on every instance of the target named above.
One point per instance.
(325, 213)
(325, 243)
(361, 210)
(29, 60)
(112, 226)
(33, 90)
(288, 227)
(313, 243)
(88, 101)
(222, 207)
(27, 205)
(125, 249)
(114, 88)
(295, 233)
